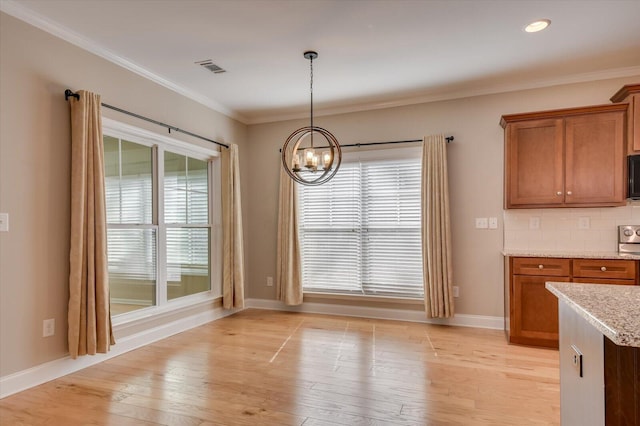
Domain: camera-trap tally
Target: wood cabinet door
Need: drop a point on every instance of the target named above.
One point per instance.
(630, 94)
(594, 159)
(634, 124)
(534, 315)
(534, 163)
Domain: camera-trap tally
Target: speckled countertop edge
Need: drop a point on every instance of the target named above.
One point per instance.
(613, 309)
(572, 255)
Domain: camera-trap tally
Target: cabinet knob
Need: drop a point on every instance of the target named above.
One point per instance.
(559, 193)
(569, 192)
(540, 266)
(603, 269)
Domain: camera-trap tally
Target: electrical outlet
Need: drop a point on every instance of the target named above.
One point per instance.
(48, 327)
(534, 222)
(584, 223)
(456, 291)
(4, 222)
(269, 281)
(493, 223)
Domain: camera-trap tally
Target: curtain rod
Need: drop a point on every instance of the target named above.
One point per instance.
(68, 93)
(448, 139)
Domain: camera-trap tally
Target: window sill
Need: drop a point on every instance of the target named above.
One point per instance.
(154, 313)
(313, 296)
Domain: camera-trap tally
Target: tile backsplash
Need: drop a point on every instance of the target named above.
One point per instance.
(572, 229)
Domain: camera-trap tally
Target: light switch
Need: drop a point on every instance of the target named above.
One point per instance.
(482, 223)
(4, 222)
(493, 223)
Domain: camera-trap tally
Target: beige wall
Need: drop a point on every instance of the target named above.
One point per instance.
(475, 171)
(35, 68)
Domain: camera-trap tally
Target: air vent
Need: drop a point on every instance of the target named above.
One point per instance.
(208, 64)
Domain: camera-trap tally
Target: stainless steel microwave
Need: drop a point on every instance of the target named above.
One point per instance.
(634, 177)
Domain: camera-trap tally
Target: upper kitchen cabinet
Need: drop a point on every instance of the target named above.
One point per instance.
(565, 158)
(631, 95)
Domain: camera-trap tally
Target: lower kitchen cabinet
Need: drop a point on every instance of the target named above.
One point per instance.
(534, 319)
(531, 311)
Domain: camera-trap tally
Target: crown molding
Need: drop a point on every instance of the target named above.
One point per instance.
(15, 9)
(452, 95)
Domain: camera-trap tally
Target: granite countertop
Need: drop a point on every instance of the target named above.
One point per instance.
(613, 309)
(569, 254)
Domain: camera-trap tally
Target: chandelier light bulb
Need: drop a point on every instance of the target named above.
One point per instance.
(295, 164)
(309, 155)
(326, 159)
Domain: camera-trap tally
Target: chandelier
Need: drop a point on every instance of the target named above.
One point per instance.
(305, 162)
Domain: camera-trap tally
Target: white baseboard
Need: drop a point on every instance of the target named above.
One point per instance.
(460, 320)
(43, 373)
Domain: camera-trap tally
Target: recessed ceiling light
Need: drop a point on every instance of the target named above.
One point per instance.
(538, 25)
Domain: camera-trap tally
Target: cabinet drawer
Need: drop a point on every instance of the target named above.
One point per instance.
(541, 266)
(596, 268)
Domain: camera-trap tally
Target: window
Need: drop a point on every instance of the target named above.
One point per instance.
(160, 220)
(186, 215)
(360, 232)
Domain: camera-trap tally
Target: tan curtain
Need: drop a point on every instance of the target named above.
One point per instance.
(436, 233)
(288, 269)
(89, 313)
(232, 243)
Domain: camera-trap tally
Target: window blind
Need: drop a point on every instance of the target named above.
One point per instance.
(186, 214)
(131, 235)
(186, 189)
(128, 182)
(360, 232)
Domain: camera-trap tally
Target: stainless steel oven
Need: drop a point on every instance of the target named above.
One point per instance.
(629, 239)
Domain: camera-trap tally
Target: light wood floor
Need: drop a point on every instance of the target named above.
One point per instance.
(274, 368)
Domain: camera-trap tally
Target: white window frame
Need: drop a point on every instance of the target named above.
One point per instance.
(161, 143)
(372, 154)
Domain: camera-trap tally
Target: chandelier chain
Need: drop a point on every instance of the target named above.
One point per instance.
(311, 92)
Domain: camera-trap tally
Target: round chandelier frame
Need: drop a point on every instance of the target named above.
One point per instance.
(311, 169)
(301, 173)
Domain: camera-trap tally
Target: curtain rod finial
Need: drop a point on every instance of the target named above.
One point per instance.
(68, 93)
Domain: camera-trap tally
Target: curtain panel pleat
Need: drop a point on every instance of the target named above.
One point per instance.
(289, 264)
(436, 229)
(232, 235)
(89, 316)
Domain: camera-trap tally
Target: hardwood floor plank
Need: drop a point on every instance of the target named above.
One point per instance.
(262, 367)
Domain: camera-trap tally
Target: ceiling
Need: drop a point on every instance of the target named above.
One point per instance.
(372, 53)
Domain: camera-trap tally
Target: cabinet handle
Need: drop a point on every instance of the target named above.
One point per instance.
(559, 193)
(603, 269)
(540, 266)
(569, 192)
